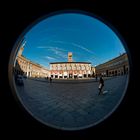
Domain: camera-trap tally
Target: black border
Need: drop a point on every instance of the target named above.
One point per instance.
(17, 15)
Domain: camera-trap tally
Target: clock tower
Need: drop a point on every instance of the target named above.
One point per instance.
(69, 56)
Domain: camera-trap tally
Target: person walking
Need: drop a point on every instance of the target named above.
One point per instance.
(101, 85)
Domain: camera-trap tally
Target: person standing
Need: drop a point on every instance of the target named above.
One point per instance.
(101, 85)
(50, 80)
(96, 77)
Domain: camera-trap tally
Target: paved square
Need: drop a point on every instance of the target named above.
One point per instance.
(71, 105)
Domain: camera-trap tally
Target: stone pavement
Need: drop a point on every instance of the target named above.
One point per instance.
(71, 106)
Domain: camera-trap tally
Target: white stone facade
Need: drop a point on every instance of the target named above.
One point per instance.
(73, 70)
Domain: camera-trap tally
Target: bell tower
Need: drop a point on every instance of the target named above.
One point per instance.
(69, 56)
(20, 51)
(21, 48)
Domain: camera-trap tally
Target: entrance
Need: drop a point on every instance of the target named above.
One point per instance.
(65, 76)
(75, 76)
(70, 75)
(85, 75)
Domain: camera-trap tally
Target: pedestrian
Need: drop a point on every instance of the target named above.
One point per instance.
(96, 77)
(101, 85)
(50, 80)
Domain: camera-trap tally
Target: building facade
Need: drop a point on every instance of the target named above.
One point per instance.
(24, 66)
(70, 70)
(114, 67)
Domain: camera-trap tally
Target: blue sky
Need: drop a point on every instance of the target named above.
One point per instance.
(86, 37)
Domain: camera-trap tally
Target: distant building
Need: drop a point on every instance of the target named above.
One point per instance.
(114, 67)
(24, 66)
(70, 69)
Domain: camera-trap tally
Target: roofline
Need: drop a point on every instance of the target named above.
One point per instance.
(69, 62)
(112, 59)
(32, 62)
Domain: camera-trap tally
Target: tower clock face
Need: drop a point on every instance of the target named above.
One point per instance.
(69, 70)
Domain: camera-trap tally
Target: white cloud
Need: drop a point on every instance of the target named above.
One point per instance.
(52, 48)
(76, 45)
(83, 48)
(50, 58)
(61, 53)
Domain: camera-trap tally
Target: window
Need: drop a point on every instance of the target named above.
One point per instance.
(60, 68)
(68, 68)
(83, 67)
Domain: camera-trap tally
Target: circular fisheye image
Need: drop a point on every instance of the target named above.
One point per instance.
(69, 71)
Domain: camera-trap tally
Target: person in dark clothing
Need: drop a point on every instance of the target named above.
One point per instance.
(101, 85)
(50, 80)
(96, 77)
